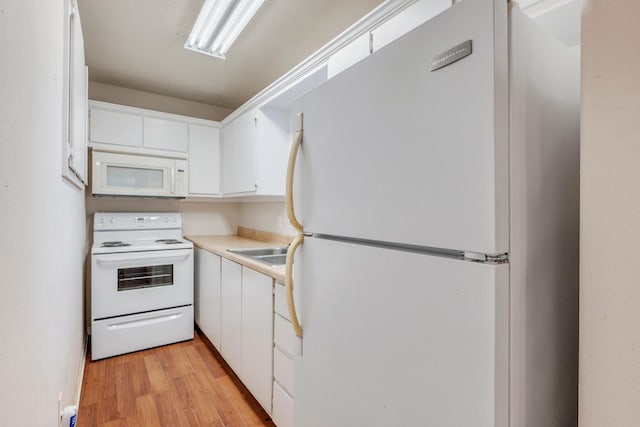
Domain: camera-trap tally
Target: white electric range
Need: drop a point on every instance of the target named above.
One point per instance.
(141, 282)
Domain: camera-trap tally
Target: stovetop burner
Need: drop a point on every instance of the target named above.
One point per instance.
(168, 241)
(114, 244)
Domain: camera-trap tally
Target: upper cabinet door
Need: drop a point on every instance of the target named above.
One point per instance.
(272, 141)
(115, 127)
(416, 14)
(238, 155)
(164, 134)
(204, 160)
(76, 153)
(352, 53)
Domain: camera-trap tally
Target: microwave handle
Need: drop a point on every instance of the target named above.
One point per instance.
(173, 180)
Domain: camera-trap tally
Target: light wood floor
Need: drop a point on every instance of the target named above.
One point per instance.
(182, 384)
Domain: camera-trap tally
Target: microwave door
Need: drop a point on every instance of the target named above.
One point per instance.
(148, 180)
(131, 175)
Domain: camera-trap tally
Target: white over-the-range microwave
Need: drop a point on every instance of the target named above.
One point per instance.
(116, 174)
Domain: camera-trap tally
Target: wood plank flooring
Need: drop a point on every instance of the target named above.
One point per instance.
(185, 384)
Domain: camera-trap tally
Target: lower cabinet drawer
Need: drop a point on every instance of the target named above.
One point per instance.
(284, 336)
(124, 334)
(283, 370)
(281, 301)
(282, 407)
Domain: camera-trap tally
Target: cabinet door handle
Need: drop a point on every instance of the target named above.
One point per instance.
(293, 154)
(288, 284)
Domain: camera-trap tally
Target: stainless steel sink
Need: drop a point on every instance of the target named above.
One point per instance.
(271, 256)
(254, 252)
(272, 259)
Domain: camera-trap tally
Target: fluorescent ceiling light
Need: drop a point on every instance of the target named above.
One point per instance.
(219, 24)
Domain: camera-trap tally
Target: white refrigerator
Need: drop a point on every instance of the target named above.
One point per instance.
(436, 185)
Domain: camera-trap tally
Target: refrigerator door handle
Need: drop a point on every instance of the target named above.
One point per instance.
(293, 154)
(288, 284)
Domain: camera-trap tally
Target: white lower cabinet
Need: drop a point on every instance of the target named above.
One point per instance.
(231, 314)
(284, 337)
(283, 350)
(283, 370)
(257, 335)
(207, 294)
(244, 314)
(282, 407)
(236, 311)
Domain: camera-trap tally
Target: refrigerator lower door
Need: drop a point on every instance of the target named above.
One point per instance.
(395, 338)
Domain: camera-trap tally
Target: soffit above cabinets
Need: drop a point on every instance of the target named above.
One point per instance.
(139, 44)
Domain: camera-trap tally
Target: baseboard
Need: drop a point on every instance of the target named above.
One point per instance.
(81, 373)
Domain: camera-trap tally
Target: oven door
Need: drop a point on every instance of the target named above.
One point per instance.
(137, 282)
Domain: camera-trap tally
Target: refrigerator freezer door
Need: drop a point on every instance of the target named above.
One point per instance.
(395, 152)
(393, 338)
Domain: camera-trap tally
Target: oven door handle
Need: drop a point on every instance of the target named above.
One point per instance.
(144, 322)
(114, 258)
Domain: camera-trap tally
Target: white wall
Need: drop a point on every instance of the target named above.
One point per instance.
(266, 216)
(42, 222)
(610, 215)
(152, 101)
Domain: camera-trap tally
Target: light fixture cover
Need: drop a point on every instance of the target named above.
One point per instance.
(219, 24)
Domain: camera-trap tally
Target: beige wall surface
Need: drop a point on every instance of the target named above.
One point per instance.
(610, 215)
(42, 222)
(152, 101)
(215, 218)
(266, 216)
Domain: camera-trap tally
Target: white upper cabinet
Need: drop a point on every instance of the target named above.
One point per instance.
(126, 129)
(350, 54)
(110, 126)
(162, 134)
(405, 21)
(75, 146)
(272, 141)
(238, 155)
(204, 160)
(275, 126)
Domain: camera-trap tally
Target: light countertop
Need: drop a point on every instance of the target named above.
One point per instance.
(219, 245)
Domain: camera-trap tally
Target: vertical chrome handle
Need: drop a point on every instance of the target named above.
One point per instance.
(173, 180)
(288, 284)
(293, 154)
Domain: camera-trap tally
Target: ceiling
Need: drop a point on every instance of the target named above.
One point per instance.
(138, 44)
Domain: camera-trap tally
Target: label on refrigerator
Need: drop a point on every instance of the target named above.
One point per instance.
(452, 55)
